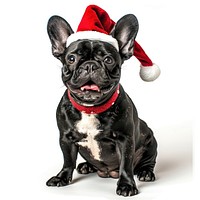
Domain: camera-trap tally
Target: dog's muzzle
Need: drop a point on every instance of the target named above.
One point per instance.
(89, 66)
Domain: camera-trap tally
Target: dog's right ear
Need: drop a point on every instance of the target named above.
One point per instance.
(58, 30)
(125, 31)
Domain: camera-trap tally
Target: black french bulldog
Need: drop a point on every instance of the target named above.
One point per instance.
(112, 139)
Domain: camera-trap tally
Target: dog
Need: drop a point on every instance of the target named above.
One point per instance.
(96, 117)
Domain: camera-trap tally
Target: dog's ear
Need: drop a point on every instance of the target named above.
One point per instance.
(124, 32)
(58, 30)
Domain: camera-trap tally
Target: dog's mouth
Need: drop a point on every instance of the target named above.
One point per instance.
(90, 87)
(91, 94)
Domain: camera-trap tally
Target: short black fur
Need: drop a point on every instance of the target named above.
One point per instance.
(126, 144)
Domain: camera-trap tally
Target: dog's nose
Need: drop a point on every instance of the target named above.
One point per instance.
(90, 66)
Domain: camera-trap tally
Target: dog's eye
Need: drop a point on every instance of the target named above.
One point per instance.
(108, 60)
(71, 59)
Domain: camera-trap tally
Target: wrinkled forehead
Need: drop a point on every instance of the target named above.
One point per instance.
(83, 47)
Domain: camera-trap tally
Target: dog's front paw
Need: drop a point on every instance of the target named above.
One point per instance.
(126, 190)
(58, 181)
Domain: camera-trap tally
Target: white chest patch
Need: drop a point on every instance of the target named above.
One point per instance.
(88, 125)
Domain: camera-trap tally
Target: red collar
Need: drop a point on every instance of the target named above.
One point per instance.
(95, 109)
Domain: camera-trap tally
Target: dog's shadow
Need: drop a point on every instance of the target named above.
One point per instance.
(80, 177)
(174, 152)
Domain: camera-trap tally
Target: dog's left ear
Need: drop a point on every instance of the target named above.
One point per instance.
(58, 30)
(124, 32)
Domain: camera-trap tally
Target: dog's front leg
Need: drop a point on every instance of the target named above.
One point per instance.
(64, 177)
(126, 185)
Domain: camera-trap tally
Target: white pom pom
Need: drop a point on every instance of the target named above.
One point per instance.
(150, 73)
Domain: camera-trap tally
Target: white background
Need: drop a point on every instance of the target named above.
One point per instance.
(31, 87)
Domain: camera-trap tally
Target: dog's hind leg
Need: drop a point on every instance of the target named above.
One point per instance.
(85, 168)
(145, 167)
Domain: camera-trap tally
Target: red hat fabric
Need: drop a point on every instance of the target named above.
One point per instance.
(97, 25)
(96, 19)
(149, 71)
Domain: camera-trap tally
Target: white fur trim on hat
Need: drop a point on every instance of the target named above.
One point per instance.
(149, 73)
(92, 35)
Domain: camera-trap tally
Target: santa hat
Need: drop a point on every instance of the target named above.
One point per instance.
(97, 25)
